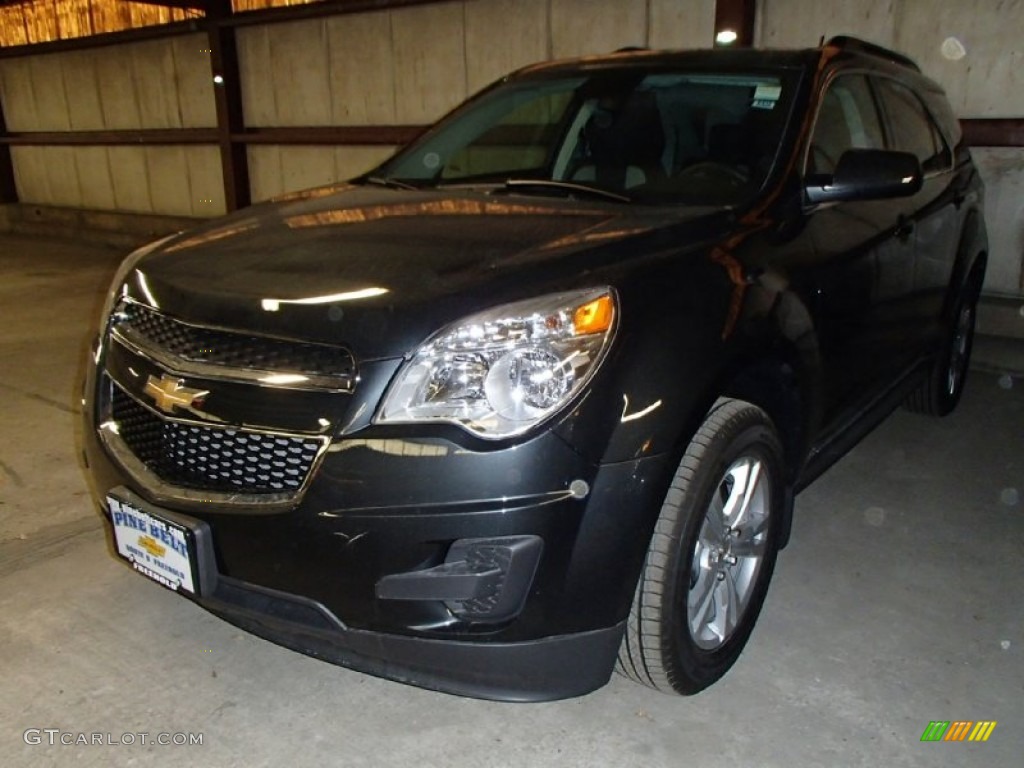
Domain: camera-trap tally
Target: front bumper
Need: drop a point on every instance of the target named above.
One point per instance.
(531, 670)
(308, 577)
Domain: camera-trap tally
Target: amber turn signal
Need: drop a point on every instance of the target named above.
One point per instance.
(594, 316)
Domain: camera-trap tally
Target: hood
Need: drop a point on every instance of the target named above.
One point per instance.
(380, 270)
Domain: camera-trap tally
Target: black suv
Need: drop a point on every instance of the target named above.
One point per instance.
(531, 400)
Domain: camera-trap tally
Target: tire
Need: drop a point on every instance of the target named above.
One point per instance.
(678, 637)
(941, 390)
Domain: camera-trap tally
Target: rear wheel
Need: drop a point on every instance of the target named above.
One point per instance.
(711, 556)
(940, 392)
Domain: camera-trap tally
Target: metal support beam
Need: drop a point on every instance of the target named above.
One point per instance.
(227, 90)
(186, 5)
(8, 189)
(112, 137)
(338, 135)
(994, 132)
(737, 17)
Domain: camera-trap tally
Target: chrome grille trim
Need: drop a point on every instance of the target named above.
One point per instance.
(162, 489)
(187, 349)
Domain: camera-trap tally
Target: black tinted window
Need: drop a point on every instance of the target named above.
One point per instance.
(847, 119)
(913, 129)
(663, 136)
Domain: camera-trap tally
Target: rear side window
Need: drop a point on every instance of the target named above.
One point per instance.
(847, 119)
(913, 129)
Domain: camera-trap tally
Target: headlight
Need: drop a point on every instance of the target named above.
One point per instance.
(500, 372)
(117, 284)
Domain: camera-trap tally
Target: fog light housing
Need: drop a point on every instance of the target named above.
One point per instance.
(480, 580)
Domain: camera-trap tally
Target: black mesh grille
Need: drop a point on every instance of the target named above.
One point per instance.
(212, 458)
(233, 350)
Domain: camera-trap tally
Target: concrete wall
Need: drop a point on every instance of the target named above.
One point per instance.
(407, 66)
(172, 180)
(1003, 171)
(154, 84)
(277, 169)
(973, 48)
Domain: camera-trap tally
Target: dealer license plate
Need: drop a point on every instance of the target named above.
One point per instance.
(155, 547)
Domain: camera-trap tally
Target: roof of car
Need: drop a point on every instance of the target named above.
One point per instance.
(844, 48)
(642, 57)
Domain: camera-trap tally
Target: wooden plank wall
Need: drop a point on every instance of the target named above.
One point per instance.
(400, 67)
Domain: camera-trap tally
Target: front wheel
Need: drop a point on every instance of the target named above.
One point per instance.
(940, 392)
(711, 556)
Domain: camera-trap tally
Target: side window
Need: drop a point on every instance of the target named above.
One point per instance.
(847, 119)
(913, 129)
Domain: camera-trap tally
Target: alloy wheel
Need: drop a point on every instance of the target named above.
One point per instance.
(728, 553)
(959, 349)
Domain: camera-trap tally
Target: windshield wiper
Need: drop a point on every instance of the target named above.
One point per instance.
(568, 187)
(384, 181)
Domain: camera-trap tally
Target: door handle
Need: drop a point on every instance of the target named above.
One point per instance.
(904, 228)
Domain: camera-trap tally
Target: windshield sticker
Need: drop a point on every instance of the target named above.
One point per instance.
(765, 96)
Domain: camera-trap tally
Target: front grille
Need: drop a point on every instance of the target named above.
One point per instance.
(212, 458)
(229, 349)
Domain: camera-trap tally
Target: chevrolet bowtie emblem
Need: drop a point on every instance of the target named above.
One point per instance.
(169, 393)
(149, 544)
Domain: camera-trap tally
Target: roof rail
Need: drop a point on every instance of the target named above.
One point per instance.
(848, 43)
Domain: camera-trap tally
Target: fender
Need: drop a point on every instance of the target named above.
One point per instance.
(971, 255)
(661, 392)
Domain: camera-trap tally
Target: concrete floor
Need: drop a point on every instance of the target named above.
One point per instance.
(898, 602)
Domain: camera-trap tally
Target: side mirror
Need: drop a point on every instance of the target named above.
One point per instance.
(867, 174)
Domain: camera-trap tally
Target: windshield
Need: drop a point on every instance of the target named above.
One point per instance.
(660, 137)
